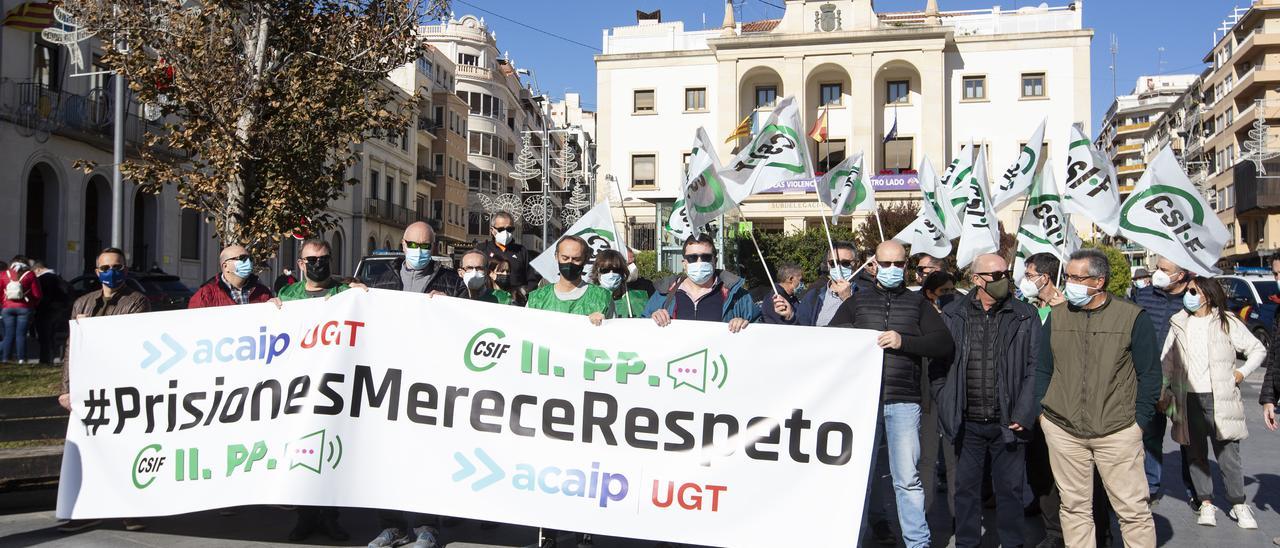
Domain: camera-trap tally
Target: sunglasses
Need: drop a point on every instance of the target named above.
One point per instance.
(316, 260)
(994, 276)
(1194, 292)
(833, 264)
(611, 270)
(503, 229)
(886, 264)
(417, 245)
(106, 267)
(696, 257)
(244, 257)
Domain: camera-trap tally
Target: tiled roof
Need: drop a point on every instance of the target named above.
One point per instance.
(760, 26)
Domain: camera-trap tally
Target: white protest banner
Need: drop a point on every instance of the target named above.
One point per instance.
(1091, 184)
(1017, 179)
(394, 400)
(596, 227)
(1167, 215)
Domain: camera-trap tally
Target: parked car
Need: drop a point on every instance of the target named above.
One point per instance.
(165, 291)
(381, 262)
(1252, 297)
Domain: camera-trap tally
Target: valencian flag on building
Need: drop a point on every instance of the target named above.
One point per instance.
(1044, 227)
(776, 153)
(1091, 184)
(819, 131)
(979, 228)
(31, 16)
(851, 190)
(925, 234)
(1167, 215)
(596, 227)
(1017, 179)
(705, 195)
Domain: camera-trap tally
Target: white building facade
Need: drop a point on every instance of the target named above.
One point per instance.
(946, 78)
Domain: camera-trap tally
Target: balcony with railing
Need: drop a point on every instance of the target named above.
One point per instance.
(1140, 126)
(428, 175)
(386, 212)
(1131, 168)
(39, 111)
(1254, 191)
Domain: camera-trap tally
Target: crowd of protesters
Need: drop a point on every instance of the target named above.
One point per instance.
(1050, 389)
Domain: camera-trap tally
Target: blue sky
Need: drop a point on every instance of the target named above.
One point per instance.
(1182, 27)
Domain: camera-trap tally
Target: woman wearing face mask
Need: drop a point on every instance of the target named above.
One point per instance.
(1201, 395)
(500, 282)
(610, 273)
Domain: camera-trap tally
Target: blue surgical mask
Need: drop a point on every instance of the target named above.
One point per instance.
(1192, 302)
(889, 276)
(244, 268)
(1077, 294)
(112, 278)
(701, 271)
(841, 272)
(610, 280)
(417, 259)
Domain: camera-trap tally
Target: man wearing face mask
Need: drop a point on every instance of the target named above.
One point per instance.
(819, 304)
(474, 270)
(503, 230)
(987, 406)
(702, 293)
(911, 331)
(419, 273)
(1161, 300)
(1098, 379)
(780, 307)
(113, 299)
(1039, 283)
(1141, 279)
(571, 294)
(236, 284)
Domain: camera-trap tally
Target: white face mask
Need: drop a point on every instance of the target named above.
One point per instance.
(633, 273)
(502, 237)
(474, 279)
(1029, 288)
(1161, 280)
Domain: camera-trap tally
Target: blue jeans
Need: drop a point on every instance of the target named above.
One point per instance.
(898, 456)
(15, 333)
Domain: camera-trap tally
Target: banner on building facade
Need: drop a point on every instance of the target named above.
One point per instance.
(881, 183)
(392, 400)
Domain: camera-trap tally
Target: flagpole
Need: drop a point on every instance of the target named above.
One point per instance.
(617, 239)
(830, 243)
(879, 224)
(760, 253)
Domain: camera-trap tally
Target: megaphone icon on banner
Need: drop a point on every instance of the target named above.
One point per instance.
(313, 451)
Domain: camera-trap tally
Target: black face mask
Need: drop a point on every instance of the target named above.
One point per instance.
(571, 271)
(319, 272)
(503, 280)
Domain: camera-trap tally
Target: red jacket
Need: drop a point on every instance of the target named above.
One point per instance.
(29, 288)
(216, 293)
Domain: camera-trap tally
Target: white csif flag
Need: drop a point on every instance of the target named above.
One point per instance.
(847, 188)
(979, 229)
(1167, 215)
(1044, 228)
(1017, 179)
(1090, 188)
(925, 234)
(705, 194)
(778, 152)
(596, 227)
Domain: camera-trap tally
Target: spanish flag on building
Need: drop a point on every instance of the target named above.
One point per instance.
(31, 16)
(819, 131)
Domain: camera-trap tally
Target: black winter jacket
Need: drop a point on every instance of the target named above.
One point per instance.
(1019, 331)
(444, 280)
(923, 335)
(522, 274)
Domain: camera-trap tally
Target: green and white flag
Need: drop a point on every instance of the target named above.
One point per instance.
(1044, 228)
(1091, 184)
(705, 194)
(925, 234)
(937, 197)
(596, 227)
(848, 187)
(1167, 215)
(979, 230)
(678, 222)
(1017, 179)
(953, 189)
(779, 152)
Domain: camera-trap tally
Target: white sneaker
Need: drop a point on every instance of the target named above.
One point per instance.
(1208, 515)
(1244, 516)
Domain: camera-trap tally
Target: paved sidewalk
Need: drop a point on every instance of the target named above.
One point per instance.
(26, 518)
